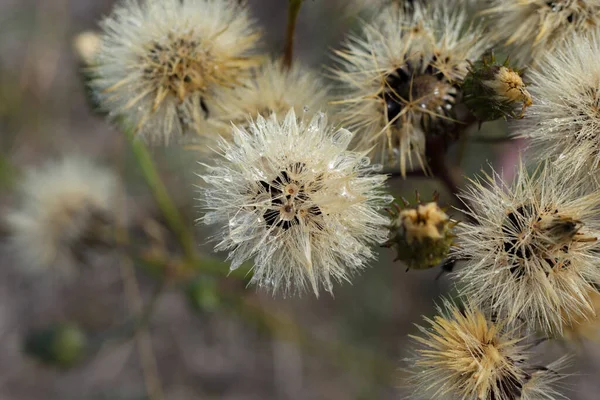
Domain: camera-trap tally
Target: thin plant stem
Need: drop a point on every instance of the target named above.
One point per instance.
(161, 196)
(134, 299)
(293, 10)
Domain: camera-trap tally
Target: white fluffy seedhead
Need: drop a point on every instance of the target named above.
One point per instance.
(462, 355)
(290, 196)
(66, 208)
(533, 28)
(162, 61)
(531, 251)
(272, 88)
(398, 78)
(564, 120)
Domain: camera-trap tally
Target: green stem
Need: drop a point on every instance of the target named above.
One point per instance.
(293, 10)
(161, 196)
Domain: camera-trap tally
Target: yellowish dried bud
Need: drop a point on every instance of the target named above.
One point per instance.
(509, 86)
(421, 234)
(86, 46)
(424, 222)
(493, 90)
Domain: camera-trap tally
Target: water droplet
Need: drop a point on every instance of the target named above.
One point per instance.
(342, 138)
(364, 161)
(242, 227)
(210, 218)
(387, 199)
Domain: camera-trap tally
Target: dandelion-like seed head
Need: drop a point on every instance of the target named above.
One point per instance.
(290, 196)
(271, 89)
(463, 355)
(67, 210)
(531, 249)
(564, 119)
(399, 78)
(533, 28)
(162, 62)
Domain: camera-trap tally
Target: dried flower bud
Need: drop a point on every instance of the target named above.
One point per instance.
(422, 234)
(494, 90)
(87, 45)
(62, 345)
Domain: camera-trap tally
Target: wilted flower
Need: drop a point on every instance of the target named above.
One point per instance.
(493, 90)
(292, 197)
(531, 249)
(463, 355)
(533, 28)
(67, 209)
(421, 234)
(399, 78)
(271, 89)
(162, 62)
(564, 121)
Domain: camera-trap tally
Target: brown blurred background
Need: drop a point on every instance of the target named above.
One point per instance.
(347, 347)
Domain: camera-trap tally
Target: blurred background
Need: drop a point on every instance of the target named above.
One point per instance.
(245, 345)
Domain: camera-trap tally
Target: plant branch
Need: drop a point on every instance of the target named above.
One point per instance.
(293, 10)
(161, 196)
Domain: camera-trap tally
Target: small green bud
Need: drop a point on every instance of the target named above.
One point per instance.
(61, 345)
(420, 234)
(203, 295)
(493, 91)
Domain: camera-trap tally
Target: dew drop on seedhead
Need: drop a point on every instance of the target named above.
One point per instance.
(387, 199)
(210, 218)
(364, 161)
(341, 139)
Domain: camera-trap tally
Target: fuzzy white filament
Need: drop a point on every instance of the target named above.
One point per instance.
(290, 196)
(564, 121)
(162, 61)
(65, 210)
(531, 251)
(398, 78)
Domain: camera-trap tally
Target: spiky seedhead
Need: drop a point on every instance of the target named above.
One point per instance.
(399, 79)
(564, 121)
(162, 62)
(463, 355)
(533, 28)
(531, 248)
(272, 88)
(290, 196)
(492, 90)
(67, 212)
(421, 233)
